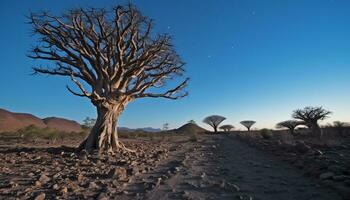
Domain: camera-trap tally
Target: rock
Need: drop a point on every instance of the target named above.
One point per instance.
(318, 152)
(80, 178)
(120, 173)
(339, 177)
(93, 185)
(55, 187)
(336, 169)
(327, 175)
(102, 196)
(38, 184)
(41, 196)
(301, 147)
(234, 186)
(64, 190)
(44, 179)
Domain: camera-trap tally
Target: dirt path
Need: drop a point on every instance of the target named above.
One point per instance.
(222, 167)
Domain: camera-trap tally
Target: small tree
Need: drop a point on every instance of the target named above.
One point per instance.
(113, 57)
(310, 116)
(290, 124)
(88, 123)
(214, 121)
(191, 121)
(166, 126)
(248, 124)
(227, 127)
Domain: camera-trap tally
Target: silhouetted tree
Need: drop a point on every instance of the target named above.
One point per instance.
(192, 121)
(310, 116)
(113, 52)
(248, 124)
(227, 127)
(290, 124)
(214, 121)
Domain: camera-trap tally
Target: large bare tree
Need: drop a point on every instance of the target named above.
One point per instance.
(113, 58)
(290, 124)
(310, 116)
(248, 123)
(214, 121)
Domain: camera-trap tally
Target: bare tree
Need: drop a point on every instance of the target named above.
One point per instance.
(227, 127)
(214, 121)
(112, 52)
(166, 126)
(290, 124)
(248, 124)
(310, 116)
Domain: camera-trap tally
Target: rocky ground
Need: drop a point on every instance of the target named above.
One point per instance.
(206, 167)
(327, 164)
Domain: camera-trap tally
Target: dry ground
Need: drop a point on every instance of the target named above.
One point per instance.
(209, 167)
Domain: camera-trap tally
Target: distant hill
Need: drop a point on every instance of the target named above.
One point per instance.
(10, 121)
(189, 128)
(146, 129)
(62, 124)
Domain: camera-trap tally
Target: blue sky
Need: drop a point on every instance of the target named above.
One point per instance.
(248, 59)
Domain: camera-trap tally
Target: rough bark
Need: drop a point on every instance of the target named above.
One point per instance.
(103, 136)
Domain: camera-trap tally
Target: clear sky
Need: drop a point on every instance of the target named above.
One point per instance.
(247, 59)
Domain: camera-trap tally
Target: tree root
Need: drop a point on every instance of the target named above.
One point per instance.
(122, 147)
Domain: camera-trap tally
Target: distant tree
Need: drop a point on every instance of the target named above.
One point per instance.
(88, 122)
(310, 116)
(340, 126)
(113, 57)
(166, 126)
(214, 121)
(227, 127)
(248, 124)
(290, 124)
(192, 121)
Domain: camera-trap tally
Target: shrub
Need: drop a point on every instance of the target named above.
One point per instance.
(266, 134)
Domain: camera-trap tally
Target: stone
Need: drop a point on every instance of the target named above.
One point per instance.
(93, 185)
(301, 147)
(64, 190)
(44, 179)
(120, 173)
(41, 196)
(55, 187)
(327, 175)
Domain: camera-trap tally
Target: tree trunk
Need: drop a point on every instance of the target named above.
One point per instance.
(292, 131)
(103, 136)
(316, 130)
(215, 129)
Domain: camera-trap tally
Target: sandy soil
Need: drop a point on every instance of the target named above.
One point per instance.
(214, 167)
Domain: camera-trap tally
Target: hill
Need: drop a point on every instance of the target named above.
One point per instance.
(11, 121)
(62, 124)
(190, 128)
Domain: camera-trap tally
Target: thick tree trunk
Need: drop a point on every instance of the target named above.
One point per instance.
(291, 130)
(103, 136)
(316, 130)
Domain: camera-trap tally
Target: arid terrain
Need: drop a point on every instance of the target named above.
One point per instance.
(201, 166)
